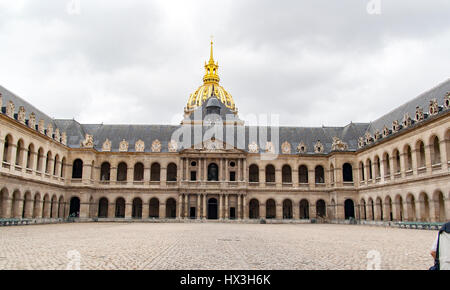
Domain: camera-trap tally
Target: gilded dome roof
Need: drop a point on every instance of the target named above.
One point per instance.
(210, 81)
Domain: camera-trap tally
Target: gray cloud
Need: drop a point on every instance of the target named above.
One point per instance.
(313, 62)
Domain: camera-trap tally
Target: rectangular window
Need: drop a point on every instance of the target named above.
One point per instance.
(193, 175)
(232, 176)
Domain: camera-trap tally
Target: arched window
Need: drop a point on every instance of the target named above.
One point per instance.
(321, 208)
(408, 152)
(304, 209)
(30, 156)
(120, 208)
(287, 209)
(361, 168)
(436, 151)
(347, 172)
(7, 149)
(154, 208)
(253, 174)
(303, 174)
(122, 171)
(369, 164)
(77, 169)
(421, 154)
(103, 208)
(286, 174)
(172, 172)
(74, 210)
(213, 172)
(397, 165)
(319, 174)
(171, 208)
(155, 172)
(349, 209)
(136, 211)
(19, 153)
(55, 165)
(48, 162)
(254, 209)
(139, 172)
(63, 167)
(271, 209)
(270, 173)
(387, 165)
(105, 171)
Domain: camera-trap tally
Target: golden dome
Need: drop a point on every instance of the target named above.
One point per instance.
(210, 81)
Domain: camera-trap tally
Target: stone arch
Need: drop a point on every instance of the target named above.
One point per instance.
(16, 211)
(19, 152)
(388, 210)
(153, 208)
(171, 208)
(397, 163)
(61, 207)
(349, 209)
(439, 206)
(271, 209)
(435, 150)
(377, 166)
(361, 170)
(105, 171)
(408, 157)
(270, 173)
(319, 174)
(386, 164)
(420, 149)
(30, 156)
(253, 173)
(411, 207)
(400, 215)
(54, 207)
(136, 212)
(379, 209)
(63, 167)
(55, 167)
(4, 197)
(37, 206)
(304, 209)
(171, 172)
(46, 206)
(48, 161)
(40, 155)
(254, 209)
(286, 172)
(424, 208)
(363, 210)
(103, 205)
(303, 174)
(369, 165)
(122, 171)
(120, 208)
(287, 209)
(155, 172)
(321, 209)
(7, 148)
(371, 205)
(74, 206)
(347, 172)
(77, 169)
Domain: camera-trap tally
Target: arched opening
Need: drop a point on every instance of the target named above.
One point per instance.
(371, 209)
(349, 208)
(55, 165)
(54, 207)
(286, 174)
(411, 207)
(77, 169)
(37, 206)
(369, 164)
(254, 209)
(74, 210)
(377, 167)
(304, 209)
(408, 152)
(347, 172)
(105, 171)
(424, 207)
(321, 208)
(63, 167)
(213, 172)
(103, 208)
(361, 170)
(439, 206)
(122, 172)
(379, 207)
(40, 155)
(287, 209)
(48, 162)
(212, 209)
(136, 211)
(15, 205)
(387, 164)
(363, 209)
(61, 207)
(319, 174)
(19, 152)
(271, 209)
(7, 149)
(253, 174)
(3, 202)
(27, 205)
(399, 210)
(303, 174)
(155, 172)
(436, 152)
(30, 155)
(154, 208)
(388, 208)
(421, 154)
(171, 208)
(120, 208)
(270, 173)
(172, 172)
(138, 172)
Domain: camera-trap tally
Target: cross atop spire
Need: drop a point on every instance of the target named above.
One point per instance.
(211, 68)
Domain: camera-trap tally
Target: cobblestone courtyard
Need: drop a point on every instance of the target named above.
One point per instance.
(212, 246)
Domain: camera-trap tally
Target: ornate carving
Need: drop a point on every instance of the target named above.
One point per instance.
(286, 148)
(49, 131)
(64, 138)
(106, 147)
(420, 116)
(41, 126)
(318, 147)
(57, 136)
(447, 101)
(21, 115)
(139, 146)
(253, 147)
(269, 148)
(407, 121)
(301, 148)
(173, 146)
(395, 126)
(213, 145)
(123, 146)
(386, 131)
(88, 141)
(10, 109)
(377, 135)
(156, 146)
(361, 142)
(338, 145)
(433, 107)
(368, 138)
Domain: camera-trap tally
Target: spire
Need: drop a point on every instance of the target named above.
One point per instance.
(211, 69)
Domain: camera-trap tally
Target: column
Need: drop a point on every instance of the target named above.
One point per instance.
(204, 206)
(262, 210)
(428, 162)
(403, 164)
(130, 175)
(162, 210)
(245, 170)
(221, 178)
(12, 156)
(163, 175)
(145, 209)
(7, 207)
(391, 167)
(187, 169)
(227, 208)
(239, 211)
(278, 177)
(111, 209)
(245, 206)
(414, 160)
(198, 211)
(186, 205)
(84, 207)
(128, 209)
(295, 211)
(220, 205)
(262, 176)
(180, 206)
(226, 175)
(2, 149)
(279, 210)
(239, 174)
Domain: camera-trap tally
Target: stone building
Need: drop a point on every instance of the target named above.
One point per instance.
(213, 166)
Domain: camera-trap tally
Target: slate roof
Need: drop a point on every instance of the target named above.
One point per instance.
(294, 135)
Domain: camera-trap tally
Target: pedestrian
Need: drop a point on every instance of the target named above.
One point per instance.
(441, 249)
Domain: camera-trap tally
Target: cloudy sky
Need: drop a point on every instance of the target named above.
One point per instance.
(312, 62)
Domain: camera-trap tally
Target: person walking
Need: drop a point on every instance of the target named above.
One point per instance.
(441, 249)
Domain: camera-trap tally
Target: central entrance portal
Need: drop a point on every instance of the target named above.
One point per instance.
(212, 209)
